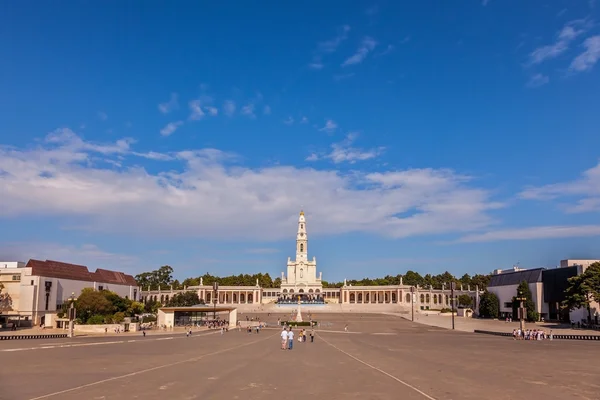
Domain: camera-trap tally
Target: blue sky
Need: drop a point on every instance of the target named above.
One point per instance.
(428, 135)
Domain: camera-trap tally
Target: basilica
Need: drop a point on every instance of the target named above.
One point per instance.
(301, 284)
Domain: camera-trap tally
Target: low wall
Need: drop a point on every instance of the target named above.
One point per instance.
(35, 336)
(110, 328)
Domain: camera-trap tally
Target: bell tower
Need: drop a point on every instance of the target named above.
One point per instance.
(301, 240)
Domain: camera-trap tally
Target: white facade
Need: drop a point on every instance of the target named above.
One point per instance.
(301, 272)
(35, 297)
(584, 263)
(506, 293)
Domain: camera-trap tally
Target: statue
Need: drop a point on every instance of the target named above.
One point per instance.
(201, 283)
(257, 285)
(345, 283)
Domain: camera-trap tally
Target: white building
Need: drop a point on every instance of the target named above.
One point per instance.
(504, 285)
(37, 290)
(301, 273)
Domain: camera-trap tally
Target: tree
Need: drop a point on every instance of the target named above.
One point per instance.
(91, 302)
(161, 278)
(185, 299)
(583, 289)
(489, 305)
(136, 308)
(523, 291)
(5, 300)
(465, 300)
(152, 307)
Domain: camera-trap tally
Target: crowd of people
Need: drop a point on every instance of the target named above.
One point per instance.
(531, 334)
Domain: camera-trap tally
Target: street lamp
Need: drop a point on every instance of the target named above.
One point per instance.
(521, 299)
(452, 286)
(215, 294)
(412, 303)
(72, 300)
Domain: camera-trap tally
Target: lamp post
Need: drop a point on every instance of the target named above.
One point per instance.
(521, 299)
(412, 303)
(452, 286)
(215, 294)
(72, 300)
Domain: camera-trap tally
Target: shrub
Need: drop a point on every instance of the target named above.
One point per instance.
(445, 310)
(95, 320)
(295, 323)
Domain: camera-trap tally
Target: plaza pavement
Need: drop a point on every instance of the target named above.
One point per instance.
(382, 357)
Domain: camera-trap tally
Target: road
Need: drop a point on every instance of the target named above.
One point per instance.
(381, 357)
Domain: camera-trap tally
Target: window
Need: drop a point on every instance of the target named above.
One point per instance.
(47, 300)
(16, 277)
(301, 226)
(301, 247)
(32, 282)
(100, 288)
(508, 305)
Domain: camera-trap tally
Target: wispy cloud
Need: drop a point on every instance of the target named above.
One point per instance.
(213, 111)
(341, 77)
(586, 189)
(170, 105)
(196, 110)
(532, 233)
(312, 157)
(366, 46)
(344, 152)
(330, 46)
(390, 48)
(304, 120)
(586, 60)
(327, 47)
(289, 121)
(248, 110)
(170, 128)
(264, 250)
(267, 110)
(229, 108)
(330, 126)
(485, 2)
(567, 34)
(537, 80)
(102, 115)
(561, 12)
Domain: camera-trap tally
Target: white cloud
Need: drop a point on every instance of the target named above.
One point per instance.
(289, 121)
(538, 80)
(196, 110)
(248, 110)
(344, 152)
(63, 178)
(484, 2)
(267, 110)
(229, 108)
(366, 46)
(316, 65)
(589, 57)
(531, 233)
(570, 31)
(330, 126)
(213, 111)
(170, 128)
(585, 189)
(170, 105)
(312, 157)
(390, 48)
(102, 115)
(304, 120)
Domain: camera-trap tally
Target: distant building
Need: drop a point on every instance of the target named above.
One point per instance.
(38, 289)
(504, 285)
(583, 263)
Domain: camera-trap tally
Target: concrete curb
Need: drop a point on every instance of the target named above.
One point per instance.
(23, 337)
(558, 337)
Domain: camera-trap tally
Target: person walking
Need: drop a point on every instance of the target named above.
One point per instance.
(284, 339)
(312, 335)
(290, 336)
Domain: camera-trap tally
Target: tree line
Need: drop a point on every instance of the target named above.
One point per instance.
(162, 278)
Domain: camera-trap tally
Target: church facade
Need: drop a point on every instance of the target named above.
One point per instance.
(301, 272)
(300, 280)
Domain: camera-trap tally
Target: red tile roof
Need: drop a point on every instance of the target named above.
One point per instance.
(57, 269)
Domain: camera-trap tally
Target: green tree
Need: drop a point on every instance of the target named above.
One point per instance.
(91, 302)
(583, 289)
(489, 305)
(136, 308)
(412, 278)
(152, 307)
(185, 299)
(523, 291)
(277, 282)
(480, 281)
(465, 300)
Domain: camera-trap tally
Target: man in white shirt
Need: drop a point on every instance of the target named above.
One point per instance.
(284, 339)
(290, 336)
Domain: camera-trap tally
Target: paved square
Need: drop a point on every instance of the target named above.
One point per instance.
(381, 357)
